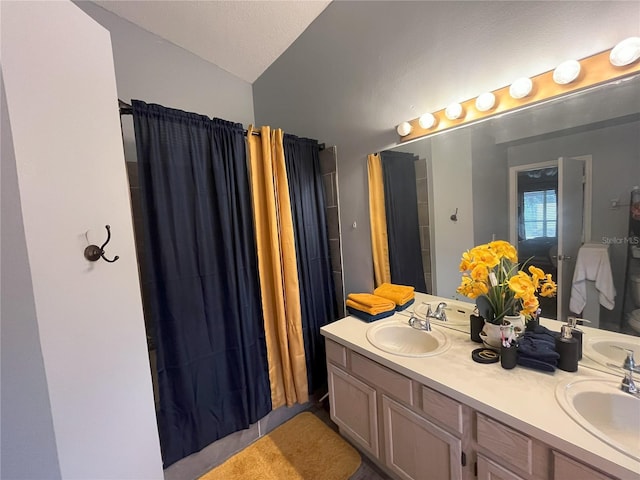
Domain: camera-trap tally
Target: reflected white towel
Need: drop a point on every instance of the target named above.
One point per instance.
(592, 264)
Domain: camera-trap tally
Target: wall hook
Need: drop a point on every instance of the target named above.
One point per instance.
(454, 217)
(93, 252)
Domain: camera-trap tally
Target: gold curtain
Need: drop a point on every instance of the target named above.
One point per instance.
(379, 240)
(277, 267)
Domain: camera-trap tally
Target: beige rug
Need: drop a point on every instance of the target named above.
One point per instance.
(304, 448)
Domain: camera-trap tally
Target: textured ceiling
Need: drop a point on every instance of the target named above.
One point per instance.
(242, 37)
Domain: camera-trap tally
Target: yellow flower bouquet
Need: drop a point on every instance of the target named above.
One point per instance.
(492, 276)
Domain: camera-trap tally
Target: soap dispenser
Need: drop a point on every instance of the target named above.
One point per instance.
(567, 348)
(576, 332)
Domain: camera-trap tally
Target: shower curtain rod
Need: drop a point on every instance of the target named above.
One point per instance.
(126, 109)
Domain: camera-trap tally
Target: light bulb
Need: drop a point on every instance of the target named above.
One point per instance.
(404, 129)
(521, 88)
(485, 101)
(427, 121)
(566, 72)
(626, 52)
(453, 111)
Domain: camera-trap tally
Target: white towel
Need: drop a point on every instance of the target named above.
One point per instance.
(592, 264)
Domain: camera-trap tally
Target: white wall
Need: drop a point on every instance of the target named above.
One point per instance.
(451, 189)
(61, 96)
(28, 448)
(363, 67)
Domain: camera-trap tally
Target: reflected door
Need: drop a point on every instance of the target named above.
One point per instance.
(546, 222)
(571, 181)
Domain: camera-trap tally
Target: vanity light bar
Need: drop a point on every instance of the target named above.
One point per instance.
(568, 77)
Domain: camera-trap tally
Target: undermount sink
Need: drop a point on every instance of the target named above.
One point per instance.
(397, 337)
(601, 408)
(604, 352)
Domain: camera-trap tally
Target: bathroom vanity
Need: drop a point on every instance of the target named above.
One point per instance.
(444, 416)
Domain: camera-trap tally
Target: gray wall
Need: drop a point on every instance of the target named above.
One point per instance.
(28, 443)
(490, 186)
(363, 67)
(154, 70)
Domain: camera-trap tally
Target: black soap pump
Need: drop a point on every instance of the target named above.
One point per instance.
(576, 332)
(567, 348)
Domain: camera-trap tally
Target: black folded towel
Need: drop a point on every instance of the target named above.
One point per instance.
(542, 338)
(537, 350)
(535, 364)
(540, 330)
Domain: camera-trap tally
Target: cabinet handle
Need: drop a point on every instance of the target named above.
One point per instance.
(463, 459)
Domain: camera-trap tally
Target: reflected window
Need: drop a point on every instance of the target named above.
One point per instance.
(540, 217)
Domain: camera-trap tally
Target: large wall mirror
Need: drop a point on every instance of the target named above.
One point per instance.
(553, 178)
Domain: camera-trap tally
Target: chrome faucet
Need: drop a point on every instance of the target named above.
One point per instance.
(629, 365)
(420, 324)
(416, 320)
(440, 314)
(419, 311)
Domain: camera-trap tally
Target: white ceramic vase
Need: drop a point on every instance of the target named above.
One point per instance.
(518, 323)
(491, 333)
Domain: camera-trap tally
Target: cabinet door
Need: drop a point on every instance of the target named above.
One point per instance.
(415, 448)
(487, 470)
(565, 468)
(354, 408)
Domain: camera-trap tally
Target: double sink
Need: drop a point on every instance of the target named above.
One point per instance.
(596, 404)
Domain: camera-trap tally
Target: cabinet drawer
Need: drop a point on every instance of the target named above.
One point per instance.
(510, 446)
(442, 408)
(397, 385)
(336, 353)
(488, 470)
(565, 467)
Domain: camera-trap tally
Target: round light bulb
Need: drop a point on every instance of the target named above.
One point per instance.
(521, 88)
(485, 101)
(404, 129)
(626, 52)
(427, 121)
(453, 111)
(566, 72)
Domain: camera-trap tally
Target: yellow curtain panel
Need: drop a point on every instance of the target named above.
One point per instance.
(277, 267)
(379, 241)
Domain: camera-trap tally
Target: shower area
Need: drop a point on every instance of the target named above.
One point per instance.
(315, 212)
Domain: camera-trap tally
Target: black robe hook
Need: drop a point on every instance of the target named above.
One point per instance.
(93, 252)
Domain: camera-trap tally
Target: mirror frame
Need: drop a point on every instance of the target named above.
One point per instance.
(594, 70)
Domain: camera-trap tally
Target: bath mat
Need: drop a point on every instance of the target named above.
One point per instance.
(304, 448)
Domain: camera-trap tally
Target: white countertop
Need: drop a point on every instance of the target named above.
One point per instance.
(522, 398)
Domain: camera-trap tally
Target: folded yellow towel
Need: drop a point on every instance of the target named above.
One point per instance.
(400, 294)
(371, 304)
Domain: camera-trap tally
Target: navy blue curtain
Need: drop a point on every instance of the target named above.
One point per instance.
(317, 294)
(200, 277)
(401, 208)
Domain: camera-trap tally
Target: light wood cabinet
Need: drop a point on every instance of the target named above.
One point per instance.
(412, 432)
(516, 452)
(354, 408)
(488, 470)
(416, 448)
(415, 432)
(568, 468)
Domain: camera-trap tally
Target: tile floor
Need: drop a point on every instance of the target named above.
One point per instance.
(193, 466)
